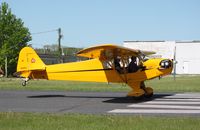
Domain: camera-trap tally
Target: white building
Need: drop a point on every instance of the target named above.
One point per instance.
(186, 53)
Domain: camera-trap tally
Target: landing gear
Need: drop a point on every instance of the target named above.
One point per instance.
(139, 90)
(25, 81)
(137, 94)
(148, 92)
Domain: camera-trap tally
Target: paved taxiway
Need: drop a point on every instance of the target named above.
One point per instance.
(99, 103)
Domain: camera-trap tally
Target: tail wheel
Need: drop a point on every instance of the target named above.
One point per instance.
(24, 83)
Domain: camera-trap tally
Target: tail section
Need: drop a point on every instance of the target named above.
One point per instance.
(30, 65)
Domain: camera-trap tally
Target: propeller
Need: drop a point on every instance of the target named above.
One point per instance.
(174, 64)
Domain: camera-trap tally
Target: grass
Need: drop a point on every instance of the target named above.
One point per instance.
(167, 84)
(181, 84)
(36, 121)
(14, 84)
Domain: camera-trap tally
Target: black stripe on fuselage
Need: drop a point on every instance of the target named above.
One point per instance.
(81, 70)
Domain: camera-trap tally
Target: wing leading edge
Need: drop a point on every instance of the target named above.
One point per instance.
(110, 51)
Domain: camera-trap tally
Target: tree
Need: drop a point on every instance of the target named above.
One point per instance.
(13, 37)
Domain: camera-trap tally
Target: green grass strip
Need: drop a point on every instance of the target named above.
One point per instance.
(167, 84)
(37, 121)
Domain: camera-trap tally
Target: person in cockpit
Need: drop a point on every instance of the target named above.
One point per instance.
(133, 67)
(117, 65)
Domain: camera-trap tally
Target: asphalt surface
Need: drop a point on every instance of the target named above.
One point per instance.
(182, 104)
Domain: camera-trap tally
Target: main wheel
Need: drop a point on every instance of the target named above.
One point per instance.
(148, 95)
(148, 92)
(136, 94)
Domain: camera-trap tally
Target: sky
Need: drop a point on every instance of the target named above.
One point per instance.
(86, 23)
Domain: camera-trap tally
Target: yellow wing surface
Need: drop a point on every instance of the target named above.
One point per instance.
(109, 51)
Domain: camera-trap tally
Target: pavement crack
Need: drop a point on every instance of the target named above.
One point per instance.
(82, 103)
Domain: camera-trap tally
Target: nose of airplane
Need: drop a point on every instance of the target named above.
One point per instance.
(165, 64)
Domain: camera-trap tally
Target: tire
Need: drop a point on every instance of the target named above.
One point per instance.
(24, 83)
(148, 95)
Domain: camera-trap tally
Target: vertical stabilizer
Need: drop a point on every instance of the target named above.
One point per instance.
(29, 60)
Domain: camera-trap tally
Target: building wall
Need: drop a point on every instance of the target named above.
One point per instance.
(188, 57)
(187, 54)
(163, 49)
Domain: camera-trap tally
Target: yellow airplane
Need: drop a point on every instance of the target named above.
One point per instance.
(107, 63)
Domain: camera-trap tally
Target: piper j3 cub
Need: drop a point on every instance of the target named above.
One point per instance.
(107, 63)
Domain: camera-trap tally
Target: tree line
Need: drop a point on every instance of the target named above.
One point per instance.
(13, 37)
(53, 49)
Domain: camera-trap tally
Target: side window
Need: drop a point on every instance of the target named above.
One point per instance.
(132, 67)
(108, 64)
(121, 64)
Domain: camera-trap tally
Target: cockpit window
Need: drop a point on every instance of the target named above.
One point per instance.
(123, 65)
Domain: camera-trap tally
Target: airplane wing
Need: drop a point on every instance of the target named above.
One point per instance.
(109, 51)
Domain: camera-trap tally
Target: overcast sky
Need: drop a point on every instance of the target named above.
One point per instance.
(91, 22)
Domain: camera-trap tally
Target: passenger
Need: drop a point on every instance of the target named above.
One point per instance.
(132, 67)
(117, 65)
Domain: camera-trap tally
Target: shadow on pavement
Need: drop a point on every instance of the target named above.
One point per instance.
(135, 100)
(56, 96)
(109, 99)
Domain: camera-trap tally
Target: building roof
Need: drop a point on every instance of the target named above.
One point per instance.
(176, 41)
(146, 41)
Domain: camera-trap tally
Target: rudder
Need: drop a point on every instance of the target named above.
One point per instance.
(29, 61)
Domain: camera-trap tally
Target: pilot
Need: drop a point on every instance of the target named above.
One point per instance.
(117, 65)
(132, 67)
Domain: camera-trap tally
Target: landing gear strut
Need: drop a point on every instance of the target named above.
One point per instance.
(139, 90)
(148, 90)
